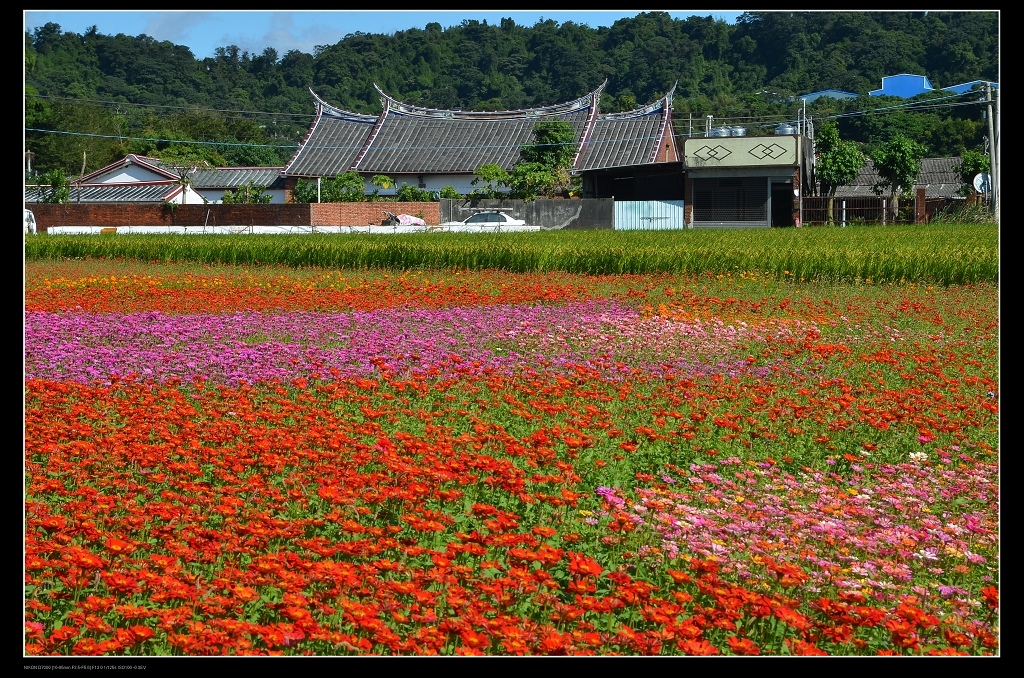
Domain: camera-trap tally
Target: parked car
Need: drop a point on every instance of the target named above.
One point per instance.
(30, 222)
(489, 220)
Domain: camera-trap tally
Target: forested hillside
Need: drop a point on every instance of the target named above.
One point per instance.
(104, 96)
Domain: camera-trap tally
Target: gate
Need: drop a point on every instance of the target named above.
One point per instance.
(648, 215)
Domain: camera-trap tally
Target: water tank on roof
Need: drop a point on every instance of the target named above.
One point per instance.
(720, 132)
(738, 131)
(785, 129)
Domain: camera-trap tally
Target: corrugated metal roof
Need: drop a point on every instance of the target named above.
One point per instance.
(151, 192)
(936, 177)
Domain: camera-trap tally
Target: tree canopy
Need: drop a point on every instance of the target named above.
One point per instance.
(109, 95)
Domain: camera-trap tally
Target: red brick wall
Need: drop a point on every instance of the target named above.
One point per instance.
(364, 213)
(324, 214)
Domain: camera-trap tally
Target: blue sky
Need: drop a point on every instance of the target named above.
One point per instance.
(203, 31)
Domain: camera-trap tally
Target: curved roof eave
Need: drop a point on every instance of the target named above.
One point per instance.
(661, 104)
(389, 103)
(340, 112)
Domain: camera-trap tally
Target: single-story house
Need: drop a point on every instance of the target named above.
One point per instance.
(431, 148)
(209, 184)
(138, 192)
(937, 177)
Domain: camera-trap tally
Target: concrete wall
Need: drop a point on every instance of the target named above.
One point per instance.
(596, 213)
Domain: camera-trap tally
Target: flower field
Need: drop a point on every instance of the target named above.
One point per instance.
(269, 460)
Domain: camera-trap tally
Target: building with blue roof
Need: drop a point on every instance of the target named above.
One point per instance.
(831, 93)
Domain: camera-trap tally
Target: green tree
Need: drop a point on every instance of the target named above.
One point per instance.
(407, 193)
(246, 194)
(971, 163)
(554, 144)
(838, 163)
(489, 180)
(380, 181)
(898, 162)
(449, 193)
(59, 191)
(543, 168)
(347, 187)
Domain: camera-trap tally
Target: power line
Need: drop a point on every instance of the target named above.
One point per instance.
(749, 121)
(195, 108)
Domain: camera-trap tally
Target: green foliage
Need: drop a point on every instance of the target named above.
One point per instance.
(950, 255)
(898, 162)
(347, 187)
(449, 193)
(407, 193)
(971, 164)
(59, 191)
(155, 90)
(380, 181)
(963, 213)
(838, 163)
(247, 194)
(554, 145)
(489, 180)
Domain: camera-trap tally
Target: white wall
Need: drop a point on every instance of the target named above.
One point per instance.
(215, 196)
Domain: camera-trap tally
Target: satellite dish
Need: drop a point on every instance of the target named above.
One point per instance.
(983, 182)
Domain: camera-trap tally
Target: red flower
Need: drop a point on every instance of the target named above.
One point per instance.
(697, 648)
(743, 646)
(991, 595)
(584, 565)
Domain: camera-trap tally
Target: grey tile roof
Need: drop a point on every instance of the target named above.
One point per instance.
(333, 142)
(418, 144)
(617, 141)
(409, 139)
(145, 192)
(936, 177)
(232, 177)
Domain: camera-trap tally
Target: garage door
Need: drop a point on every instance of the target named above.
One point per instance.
(731, 201)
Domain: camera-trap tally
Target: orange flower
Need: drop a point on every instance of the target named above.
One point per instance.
(991, 595)
(584, 565)
(697, 648)
(743, 646)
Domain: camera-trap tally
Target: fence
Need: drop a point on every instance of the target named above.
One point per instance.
(874, 209)
(646, 215)
(869, 210)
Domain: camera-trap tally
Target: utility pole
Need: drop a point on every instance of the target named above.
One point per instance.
(993, 156)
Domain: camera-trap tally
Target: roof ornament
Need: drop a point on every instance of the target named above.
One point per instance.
(585, 101)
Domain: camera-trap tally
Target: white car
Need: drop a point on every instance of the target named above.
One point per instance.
(30, 222)
(488, 220)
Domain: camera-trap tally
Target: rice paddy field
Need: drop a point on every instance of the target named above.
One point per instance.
(778, 442)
